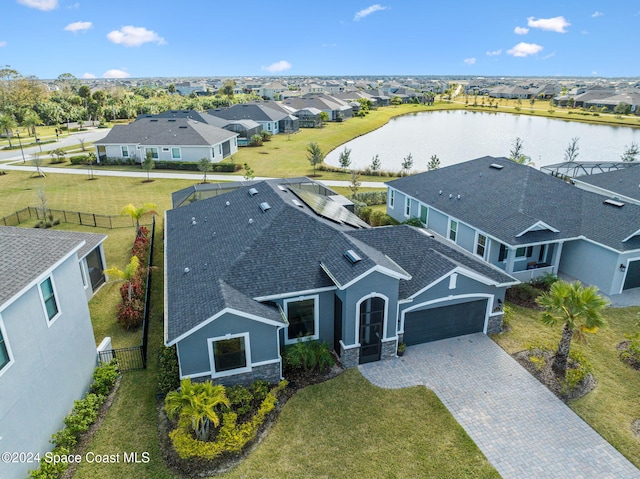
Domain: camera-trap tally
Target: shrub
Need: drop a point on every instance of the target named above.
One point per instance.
(130, 313)
(365, 214)
(240, 399)
(260, 389)
(168, 371)
(255, 140)
(266, 136)
(545, 281)
(79, 160)
(523, 294)
(577, 371)
(631, 354)
(413, 222)
(104, 377)
(372, 197)
(308, 356)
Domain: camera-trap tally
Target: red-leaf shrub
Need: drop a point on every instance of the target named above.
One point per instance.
(130, 313)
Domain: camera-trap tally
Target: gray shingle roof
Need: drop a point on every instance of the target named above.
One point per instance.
(27, 253)
(166, 132)
(624, 182)
(249, 111)
(505, 202)
(436, 257)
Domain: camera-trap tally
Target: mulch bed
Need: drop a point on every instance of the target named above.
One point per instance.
(621, 347)
(85, 439)
(547, 377)
(197, 468)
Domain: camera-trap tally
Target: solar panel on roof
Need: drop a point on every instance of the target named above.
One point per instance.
(328, 209)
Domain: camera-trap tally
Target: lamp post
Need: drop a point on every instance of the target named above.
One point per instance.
(38, 142)
(20, 141)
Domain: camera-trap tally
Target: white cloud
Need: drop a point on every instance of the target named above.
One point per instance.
(594, 73)
(116, 74)
(523, 49)
(584, 32)
(469, 61)
(555, 24)
(44, 5)
(276, 67)
(495, 53)
(88, 75)
(131, 36)
(78, 27)
(3, 44)
(596, 14)
(325, 45)
(365, 12)
(521, 30)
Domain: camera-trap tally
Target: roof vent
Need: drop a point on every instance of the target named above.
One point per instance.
(282, 188)
(253, 192)
(496, 166)
(186, 270)
(264, 206)
(611, 202)
(250, 221)
(227, 203)
(154, 120)
(297, 203)
(450, 196)
(458, 197)
(352, 256)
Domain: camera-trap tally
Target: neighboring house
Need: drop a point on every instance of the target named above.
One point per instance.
(244, 128)
(309, 117)
(269, 263)
(272, 90)
(337, 110)
(272, 120)
(525, 222)
(47, 347)
(167, 139)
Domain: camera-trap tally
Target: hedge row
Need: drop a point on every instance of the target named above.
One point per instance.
(160, 165)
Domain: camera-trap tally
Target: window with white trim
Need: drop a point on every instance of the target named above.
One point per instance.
(407, 206)
(481, 245)
(154, 152)
(230, 354)
(453, 230)
(392, 198)
(84, 275)
(521, 252)
(125, 151)
(176, 154)
(4, 352)
(302, 315)
(49, 299)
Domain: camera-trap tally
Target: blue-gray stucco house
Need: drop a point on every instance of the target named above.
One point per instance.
(47, 347)
(526, 222)
(266, 264)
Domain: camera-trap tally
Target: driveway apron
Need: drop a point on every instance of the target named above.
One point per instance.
(519, 425)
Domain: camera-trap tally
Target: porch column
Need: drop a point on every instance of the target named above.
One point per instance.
(556, 259)
(511, 256)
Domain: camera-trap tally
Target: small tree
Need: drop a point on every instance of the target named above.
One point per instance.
(248, 172)
(127, 274)
(407, 163)
(516, 153)
(375, 163)
(37, 161)
(91, 160)
(82, 142)
(622, 108)
(57, 155)
(631, 152)
(7, 124)
(345, 158)
(571, 153)
(579, 308)
(395, 101)
(255, 140)
(148, 164)
(434, 163)
(354, 183)
(314, 155)
(324, 117)
(266, 136)
(137, 213)
(205, 165)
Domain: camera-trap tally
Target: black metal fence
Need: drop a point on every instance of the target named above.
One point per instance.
(65, 216)
(135, 357)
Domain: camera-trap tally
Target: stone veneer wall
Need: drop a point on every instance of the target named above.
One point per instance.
(268, 372)
(495, 324)
(350, 358)
(389, 349)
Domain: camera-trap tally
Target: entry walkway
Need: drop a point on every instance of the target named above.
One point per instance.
(519, 425)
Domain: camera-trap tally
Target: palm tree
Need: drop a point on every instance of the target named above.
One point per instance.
(7, 123)
(516, 153)
(127, 274)
(137, 213)
(579, 308)
(30, 121)
(197, 402)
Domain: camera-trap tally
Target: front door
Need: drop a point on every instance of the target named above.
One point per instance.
(371, 329)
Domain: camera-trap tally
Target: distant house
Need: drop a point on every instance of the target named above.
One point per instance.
(272, 120)
(526, 222)
(47, 347)
(266, 264)
(272, 90)
(244, 128)
(167, 139)
(337, 110)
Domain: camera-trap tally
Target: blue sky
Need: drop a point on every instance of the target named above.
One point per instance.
(142, 38)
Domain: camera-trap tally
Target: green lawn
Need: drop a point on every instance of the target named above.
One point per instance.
(613, 404)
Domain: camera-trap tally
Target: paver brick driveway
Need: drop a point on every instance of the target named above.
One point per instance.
(519, 425)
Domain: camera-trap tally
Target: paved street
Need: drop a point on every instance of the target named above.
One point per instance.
(520, 426)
